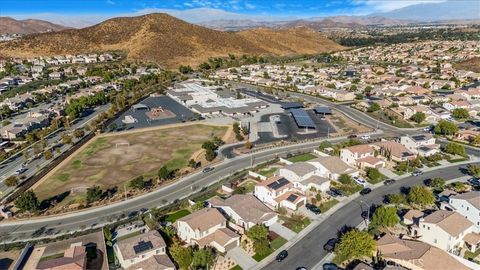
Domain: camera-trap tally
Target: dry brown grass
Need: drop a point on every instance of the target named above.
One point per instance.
(168, 41)
(472, 64)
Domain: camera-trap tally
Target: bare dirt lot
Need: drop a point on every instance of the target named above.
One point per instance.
(111, 160)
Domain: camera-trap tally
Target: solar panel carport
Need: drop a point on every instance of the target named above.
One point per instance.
(302, 118)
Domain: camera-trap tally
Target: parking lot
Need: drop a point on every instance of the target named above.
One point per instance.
(289, 129)
(178, 114)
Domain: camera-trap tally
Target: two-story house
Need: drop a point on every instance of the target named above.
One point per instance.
(443, 229)
(277, 191)
(362, 156)
(207, 227)
(468, 205)
(145, 251)
(421, 144)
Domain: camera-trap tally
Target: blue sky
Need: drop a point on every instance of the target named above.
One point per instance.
(90, 11)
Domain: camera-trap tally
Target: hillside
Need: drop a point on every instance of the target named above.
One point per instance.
(11, 26)
(289, 41)
(167, 40)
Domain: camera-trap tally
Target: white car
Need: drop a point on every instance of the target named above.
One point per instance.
(365, 137)
(360, 181)
(20, 171)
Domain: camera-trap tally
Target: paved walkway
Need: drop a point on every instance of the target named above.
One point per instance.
(241, 257)
(283, 231)
(387, 173)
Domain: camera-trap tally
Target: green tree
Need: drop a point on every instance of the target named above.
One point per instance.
(79, 133)
(437, 182)
(107, 232)
(27, 201)
(445, 127)
(183, 256)
(354, 245)
(397, 198)
(47, 154)
(373, 107)
(454, 149)
(259, 235)
(202, 259)
(420, 196)
(185, 69)
(418, 117)
(473, 170)
(11, 181)
(164, 173)
(345, 179)
(66, 139)
(458, 186)
(137, 183)
(94, 194)
(460, 113)
(384, 217)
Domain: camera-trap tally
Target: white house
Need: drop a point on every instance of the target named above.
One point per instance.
(468, 205)
(422, 144)
(207, 227)
(277, 191)
(332, 167)
(147, 249)
(361, 156)
(443, 229)
(245, 210)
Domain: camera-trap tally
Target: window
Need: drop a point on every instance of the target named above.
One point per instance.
(435, 240)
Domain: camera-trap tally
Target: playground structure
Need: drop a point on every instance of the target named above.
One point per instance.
(159, 113)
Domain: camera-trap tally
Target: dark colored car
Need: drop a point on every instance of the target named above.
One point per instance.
(207, 169)
(352, 136)
(364, 214)
(330, 266)
(330, 245)
(389, 182)
(365, 191)
(313, 208)
(337, 191)
(282, 255)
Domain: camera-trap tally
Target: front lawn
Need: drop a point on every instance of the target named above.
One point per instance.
(377, 180)
(236, 267)
(172, 217)
(126, 236)
(278, 243)
(302, 158)
(295, 223)
(268, 172)
(324, 207)
(471, 256)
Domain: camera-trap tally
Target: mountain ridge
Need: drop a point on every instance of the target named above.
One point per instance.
(10, 25)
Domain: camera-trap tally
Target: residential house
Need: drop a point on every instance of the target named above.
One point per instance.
(276, 191)
(417, 255)
(412, 217)
(74, 258)
(245, 210)
(393, 151)
(443, 229)
(147, 249)
(468, 205)
(362, 156)
(421, 144)
(207, 227)
(332, 167)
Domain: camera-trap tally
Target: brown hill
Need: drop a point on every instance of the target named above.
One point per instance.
(11, 26)
(167, 40)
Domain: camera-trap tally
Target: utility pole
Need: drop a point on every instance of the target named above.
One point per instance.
(125, 190)
(252, 160)
(328, 132)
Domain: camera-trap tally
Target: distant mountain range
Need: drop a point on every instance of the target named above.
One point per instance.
(11, 26)
(168, 41)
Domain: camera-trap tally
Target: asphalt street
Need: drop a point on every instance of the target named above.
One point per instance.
(309, 250)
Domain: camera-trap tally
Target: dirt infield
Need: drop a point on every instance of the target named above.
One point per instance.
(112, 159)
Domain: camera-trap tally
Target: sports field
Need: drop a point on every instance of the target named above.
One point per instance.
(112, 160)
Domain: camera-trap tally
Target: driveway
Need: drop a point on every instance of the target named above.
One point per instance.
(387, 173)
(241, 257)
(304, 211)
(282, 231)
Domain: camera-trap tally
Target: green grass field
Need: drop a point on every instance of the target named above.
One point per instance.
(301, 158)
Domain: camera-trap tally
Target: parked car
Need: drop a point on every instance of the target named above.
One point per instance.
(313, 208)
(417, 173)
(365, 191)
(20, 170)
(282, 255)
(207, 169)
(301, 268)
(336, 192)
(352, 136)
(364, 214)
(360, 181)
(389, 182)
(330, 266)
(474, 181)
(330, 245)
(365, 137)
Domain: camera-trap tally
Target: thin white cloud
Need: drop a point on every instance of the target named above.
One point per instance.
(110, 2)
(386, 5)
